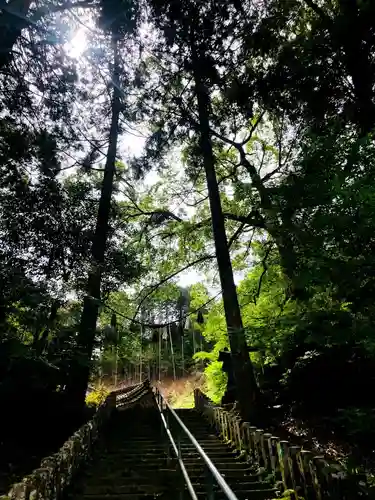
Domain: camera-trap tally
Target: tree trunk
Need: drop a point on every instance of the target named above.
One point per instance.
(40, 343)
(282, 232)
(247, 389)
(87, 331)
(358, 56)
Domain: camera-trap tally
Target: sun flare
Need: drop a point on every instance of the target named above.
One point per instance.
(77, 44)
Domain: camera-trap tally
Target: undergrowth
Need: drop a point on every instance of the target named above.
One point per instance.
(180, 393)
(97, 396)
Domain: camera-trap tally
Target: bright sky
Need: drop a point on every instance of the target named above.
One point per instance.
(77, 45)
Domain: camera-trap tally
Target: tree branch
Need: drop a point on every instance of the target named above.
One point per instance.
(265, 268)
(159, 214)
(255, 177)
(167, 278)
(253, 128)
(253, 219)
(236, 234)
(249, 244)
(196, 203)
(81, 4)
(161, 325)
(268, 176)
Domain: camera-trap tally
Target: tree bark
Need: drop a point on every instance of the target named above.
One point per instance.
(357, 53)
(40, 341)
(247, 389)
(87, 331)
(281, 231)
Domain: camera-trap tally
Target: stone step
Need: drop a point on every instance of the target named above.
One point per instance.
(114, 454)
(124, 445)
(202, 424)
(119, 485)
(124, 476)
(194, 420)
(219, 465)
(127, 445)
(126, 469)
(202, 440)
(199, 436)
(269, 494)
(140, 488)
(199, 427)
(214, 445)
(134, 440)
(243, 486)
(210, 450)
(135, 432)
(243, 495)
(146, 487)
(228, 474)
(115, 457)
(142, 455)
(131, 463)
(214, 455)
(204, 444)
(117, 476)
(122, 496)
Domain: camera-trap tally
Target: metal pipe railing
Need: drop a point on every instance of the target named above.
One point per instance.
(177, 450)
(209, 464)
(159, 402)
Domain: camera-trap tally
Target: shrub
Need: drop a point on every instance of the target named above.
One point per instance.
(97, 396)
(216, 381)
(329, 378)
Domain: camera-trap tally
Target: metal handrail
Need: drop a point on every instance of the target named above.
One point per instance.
(211, 467)
(174, 446)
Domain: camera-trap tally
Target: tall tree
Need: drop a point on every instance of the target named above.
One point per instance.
(118, 21)
(191, 32)
(247, 390)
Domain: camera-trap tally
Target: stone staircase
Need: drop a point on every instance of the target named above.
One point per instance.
(123, 453)
(131, 461)
(240, 476)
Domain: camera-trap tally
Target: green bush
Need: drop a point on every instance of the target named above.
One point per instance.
(96, 397)
(216, 381)
(290, 495)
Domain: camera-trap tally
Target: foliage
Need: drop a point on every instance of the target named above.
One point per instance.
(216, 381)
(291, 495)
(97, 396)
(357, 422)
(294, 342)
